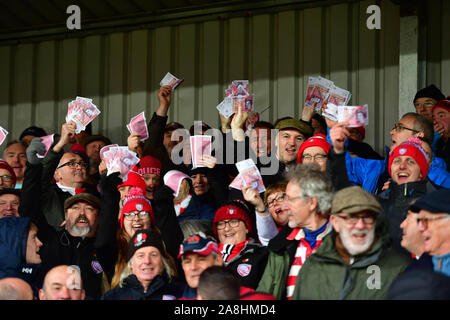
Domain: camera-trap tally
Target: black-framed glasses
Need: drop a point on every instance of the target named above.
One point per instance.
(425, 220)
(233, 223)
(352, 219)
(139, 214)
(6, 178)
(317, 157)
(398, 127)
(278, 199)
(73, 164)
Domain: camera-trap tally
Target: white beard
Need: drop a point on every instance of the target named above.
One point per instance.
(79, 232)
(352, 248)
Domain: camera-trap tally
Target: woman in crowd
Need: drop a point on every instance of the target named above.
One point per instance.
(240, 252)
(270, 214)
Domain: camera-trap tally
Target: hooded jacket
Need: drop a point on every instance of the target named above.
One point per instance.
(13, 247)
(325, 275)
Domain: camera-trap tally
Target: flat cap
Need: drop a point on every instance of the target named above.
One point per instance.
(82, 197)
(295, 124)
(353, 200)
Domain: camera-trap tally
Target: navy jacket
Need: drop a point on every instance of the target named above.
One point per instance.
(420, 282)
(13, 248)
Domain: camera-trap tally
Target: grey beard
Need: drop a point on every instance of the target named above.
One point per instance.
(79, 232)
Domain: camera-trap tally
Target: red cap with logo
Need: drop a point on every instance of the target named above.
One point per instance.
(411, 147)
(136, 201)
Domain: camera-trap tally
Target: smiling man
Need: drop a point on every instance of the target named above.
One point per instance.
(15, 155)
(75, 243)
(68, 169)
(9, 203)
(355, 260)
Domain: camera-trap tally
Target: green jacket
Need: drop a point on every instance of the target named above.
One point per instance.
(325, 276)
(281, 256)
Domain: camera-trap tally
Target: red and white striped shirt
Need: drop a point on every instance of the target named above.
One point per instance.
(304, 250)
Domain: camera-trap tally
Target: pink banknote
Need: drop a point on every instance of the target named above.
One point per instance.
(170, 80)
(138, 124)
(356, 116)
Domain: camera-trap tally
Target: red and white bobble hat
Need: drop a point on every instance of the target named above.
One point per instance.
(411, 147)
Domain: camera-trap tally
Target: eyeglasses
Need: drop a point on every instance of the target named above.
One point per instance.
(317, 157)
(398, 127)
(352, 220)
(139, 214)
(73, 164)
(233, 223)
(425, 220)
(278, 199)
(6, 178)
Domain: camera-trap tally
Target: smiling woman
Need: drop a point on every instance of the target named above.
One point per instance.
(241, 254)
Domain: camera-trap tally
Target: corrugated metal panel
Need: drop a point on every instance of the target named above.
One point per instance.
(276, 51)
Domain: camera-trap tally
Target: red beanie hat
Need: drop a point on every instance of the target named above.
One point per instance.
(411, 147)
(136, 201)
(148, 164)
(232, 211)
(6, 166)
(444, 104)
(134, 179)
(318, 140)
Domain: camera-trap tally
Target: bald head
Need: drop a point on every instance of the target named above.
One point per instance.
(62, 283)
(15, 289)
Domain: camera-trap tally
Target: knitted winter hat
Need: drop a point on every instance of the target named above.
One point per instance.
(429, 92)
(148, 164)
(146, 238)
(411, 147)
(134, 179)
(136, 201)
(318, 140)
(233, 210)
(6, 166)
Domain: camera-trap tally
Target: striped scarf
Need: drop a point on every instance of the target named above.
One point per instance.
(304, 250)
(229, 251)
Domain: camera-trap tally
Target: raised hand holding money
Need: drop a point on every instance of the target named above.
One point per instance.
(170, 80)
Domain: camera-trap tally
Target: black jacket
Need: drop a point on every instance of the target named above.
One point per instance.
(161, 288)
(59, 247)
(248, 265)
(395, 202)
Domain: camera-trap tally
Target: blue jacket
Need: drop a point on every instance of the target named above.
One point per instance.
(13, 248)
(366, 172)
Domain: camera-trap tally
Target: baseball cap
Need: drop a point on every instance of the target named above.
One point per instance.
(435, 202)
(199, 243)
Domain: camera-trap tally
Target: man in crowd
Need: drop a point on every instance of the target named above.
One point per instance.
(15, 155)
(93, 144)
(197, 253)
(20, 250)
(429, 277)
(67, 168)
(9, 202)
(308, 199)
(15, 289)
(441, 118)
(62, 283)
(355, 261)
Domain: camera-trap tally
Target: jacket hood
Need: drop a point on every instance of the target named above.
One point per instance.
(13, 245)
